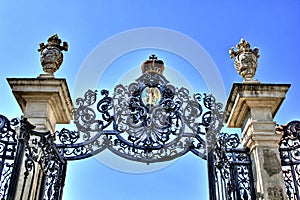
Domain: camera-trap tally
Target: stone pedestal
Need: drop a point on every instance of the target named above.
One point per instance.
(252, 107)
(45, 102)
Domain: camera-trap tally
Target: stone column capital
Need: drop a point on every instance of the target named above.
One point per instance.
(247, 98)
(44, 102)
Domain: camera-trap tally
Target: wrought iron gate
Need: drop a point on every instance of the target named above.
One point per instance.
(23, 152)
(290, 158)
(230, 174)
(230, 170)
(148, 121)
(8, 146)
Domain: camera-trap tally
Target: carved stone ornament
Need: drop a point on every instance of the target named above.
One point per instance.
(245, 60)
(51, 54)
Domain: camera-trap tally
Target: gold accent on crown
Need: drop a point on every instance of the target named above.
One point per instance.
(153, 65)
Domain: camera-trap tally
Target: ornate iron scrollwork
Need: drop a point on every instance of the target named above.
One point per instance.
(148, 121)
(53, 166)
(290, 157)
(8, 146)
(35, 152)
(230, 169)
(147, 112)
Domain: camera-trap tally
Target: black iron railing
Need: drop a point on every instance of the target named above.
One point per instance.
(8, 146)
(230, 170)
(30, 162)
(290, 158)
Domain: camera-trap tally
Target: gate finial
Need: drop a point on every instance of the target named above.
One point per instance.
(245, 60)
(51, 54)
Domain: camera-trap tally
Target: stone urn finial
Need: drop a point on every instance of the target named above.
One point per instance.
(51, 56)
(245, 60)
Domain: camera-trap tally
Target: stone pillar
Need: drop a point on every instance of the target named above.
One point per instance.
(45, 102)
(252, 106)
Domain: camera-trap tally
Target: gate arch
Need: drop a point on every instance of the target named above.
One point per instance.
(148, 121)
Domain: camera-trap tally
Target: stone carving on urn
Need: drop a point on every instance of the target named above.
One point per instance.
(245, 60)
(51, 56)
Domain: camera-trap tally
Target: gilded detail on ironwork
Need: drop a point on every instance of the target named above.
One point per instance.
(151, 96)
(153, 65)
(245, 59)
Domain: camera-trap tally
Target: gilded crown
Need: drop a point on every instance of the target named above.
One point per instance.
(242, 47)
(153, 65)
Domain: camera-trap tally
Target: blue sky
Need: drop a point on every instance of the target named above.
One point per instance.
(272, 26)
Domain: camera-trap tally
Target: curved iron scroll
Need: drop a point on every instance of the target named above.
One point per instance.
(230, 170)
(148, 121)
(290, 157)
(24, 153)
(8, 146)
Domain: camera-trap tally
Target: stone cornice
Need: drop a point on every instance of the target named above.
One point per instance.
(55, 91)
(245, 95)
